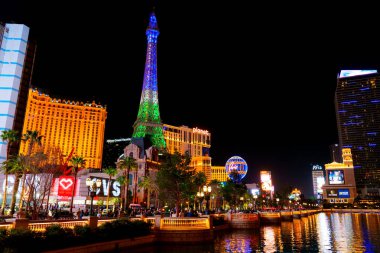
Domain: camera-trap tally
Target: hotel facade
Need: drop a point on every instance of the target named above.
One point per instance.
(69, 125)
(195, 141)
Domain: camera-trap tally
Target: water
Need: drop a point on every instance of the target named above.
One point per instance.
(323, 232)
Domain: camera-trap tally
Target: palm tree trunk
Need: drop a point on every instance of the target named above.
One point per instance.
(14, 193)
(126, 190)
(148, 200)
(73, 193)
(4, 194)
(135, 199)
(22, 190)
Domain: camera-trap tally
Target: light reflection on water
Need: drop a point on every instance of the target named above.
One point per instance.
(324, 232)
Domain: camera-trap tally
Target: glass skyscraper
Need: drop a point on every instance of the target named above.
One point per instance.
(357, 103)
(13, 46)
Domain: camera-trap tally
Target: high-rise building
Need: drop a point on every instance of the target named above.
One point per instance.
(335, 153)
(318, 181)
(357, 102)
(68, 125)
(219, 173)
(195, 141)
(148, 122)
(113, 149)
(16, 62)
(340, 180)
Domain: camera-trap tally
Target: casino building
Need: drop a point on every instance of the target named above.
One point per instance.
(340, 184)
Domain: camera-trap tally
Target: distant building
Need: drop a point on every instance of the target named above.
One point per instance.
(219, 173)
(16, 65)
(335, 153)
(318, 181)
(357, 102)
(340, 184)
(113, 149)
(193, 140)
(67, 125)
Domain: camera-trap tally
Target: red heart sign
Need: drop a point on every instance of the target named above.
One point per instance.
(65, 186)
(66, 183)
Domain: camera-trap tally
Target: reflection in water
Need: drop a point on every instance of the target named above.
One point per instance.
(324, 232)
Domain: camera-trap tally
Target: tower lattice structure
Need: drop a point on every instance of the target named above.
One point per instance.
(148, 122)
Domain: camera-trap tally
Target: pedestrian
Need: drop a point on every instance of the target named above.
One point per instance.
(79, 214)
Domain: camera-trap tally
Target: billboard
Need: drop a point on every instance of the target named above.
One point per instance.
(65, 186)
(113, 184)
(343, 193)
(336, 176)
(320, 183)
(332, 193)
(266, 180)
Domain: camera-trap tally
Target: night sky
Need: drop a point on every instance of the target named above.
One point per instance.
(260, 78)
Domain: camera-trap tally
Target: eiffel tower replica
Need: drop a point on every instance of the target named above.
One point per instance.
(148, 123)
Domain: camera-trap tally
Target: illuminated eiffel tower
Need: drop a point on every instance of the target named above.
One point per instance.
(148, 122)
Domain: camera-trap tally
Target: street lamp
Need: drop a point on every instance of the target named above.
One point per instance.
(200, 195)
(254, 203)
(207, 191)
(93, 186)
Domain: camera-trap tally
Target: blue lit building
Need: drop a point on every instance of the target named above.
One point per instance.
(357, 103)
(13, 51)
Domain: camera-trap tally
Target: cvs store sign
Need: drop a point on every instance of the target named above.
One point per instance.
(103, 190)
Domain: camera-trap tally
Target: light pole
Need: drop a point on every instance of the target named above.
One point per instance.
(254, 201)
(200, 195)
(207, 191)
(93, 186)
(277, 200)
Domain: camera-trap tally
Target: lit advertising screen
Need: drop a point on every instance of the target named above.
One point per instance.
(336, 177)
(332, 193)
(343, 193)
(320, 183)
(266, 181)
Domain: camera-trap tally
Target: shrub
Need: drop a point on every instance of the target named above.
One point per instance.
(20, 240)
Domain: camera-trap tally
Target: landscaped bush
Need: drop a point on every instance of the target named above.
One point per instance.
(56, 237)
(20, 240)
(123, 228)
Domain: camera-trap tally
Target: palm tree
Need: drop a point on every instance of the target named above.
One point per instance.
(111, 172)
(34, 138)
(9, 136)
(122, 181)
(149, 183)
(18, 166)
(77, 162)
(127, 163)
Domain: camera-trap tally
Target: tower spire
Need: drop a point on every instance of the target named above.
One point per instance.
(148, 122)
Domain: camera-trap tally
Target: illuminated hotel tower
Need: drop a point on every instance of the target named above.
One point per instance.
(68, 125)
(194, 140)
(148, 122)
(13, 77)
(357, 102)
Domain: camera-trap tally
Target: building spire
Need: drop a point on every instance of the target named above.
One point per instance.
(148, 122)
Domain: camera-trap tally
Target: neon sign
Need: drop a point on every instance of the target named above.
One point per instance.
(65, 185)
(197, 130)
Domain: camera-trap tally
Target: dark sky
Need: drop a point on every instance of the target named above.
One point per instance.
(260, 78)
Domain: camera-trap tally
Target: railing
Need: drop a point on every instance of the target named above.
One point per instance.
(244, 217)
(184, 223)
(102, 221)
(7, 225)
(41, 226)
